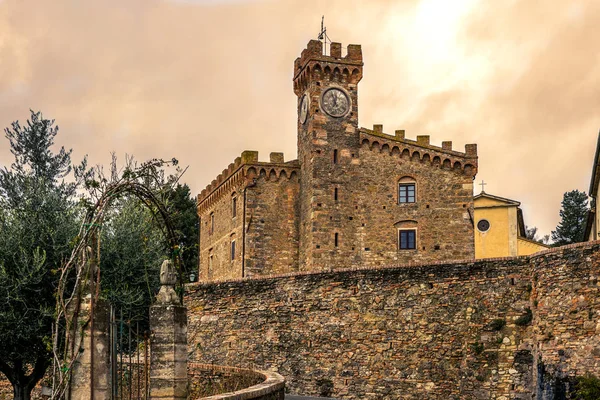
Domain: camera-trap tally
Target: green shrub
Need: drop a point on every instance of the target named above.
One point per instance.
(587, 388)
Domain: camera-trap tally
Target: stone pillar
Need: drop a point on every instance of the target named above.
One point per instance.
(168, 342)
(90, 375)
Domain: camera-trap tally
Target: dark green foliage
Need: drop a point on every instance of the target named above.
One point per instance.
(525, 319)
(531, 234)
(497, 324)
(38, 220)
(134, 245)
(183, 213)
(132, 249)
(587, 388)
(573, 214)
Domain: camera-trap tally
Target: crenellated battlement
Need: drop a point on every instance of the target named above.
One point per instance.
(421, 149)
(243, 168)
(314, 65)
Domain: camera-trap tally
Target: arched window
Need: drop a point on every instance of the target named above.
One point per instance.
(407, 235)
(407, 190)
(212, 223)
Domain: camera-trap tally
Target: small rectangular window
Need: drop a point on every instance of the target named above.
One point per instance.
(234, 207)
(407, 239)
(210, 265)
(233, 249)
(406, 193)
(335, 194)
(336, 239)
(335, 156)
(212, 223)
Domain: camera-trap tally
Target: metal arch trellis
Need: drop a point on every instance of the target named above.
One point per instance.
(85, 261)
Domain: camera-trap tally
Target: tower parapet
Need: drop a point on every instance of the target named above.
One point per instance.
(314, 65)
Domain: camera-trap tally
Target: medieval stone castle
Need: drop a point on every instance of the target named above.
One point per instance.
(333, 269)
(354, 196)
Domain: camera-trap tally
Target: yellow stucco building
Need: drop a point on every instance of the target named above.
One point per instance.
(499, 228)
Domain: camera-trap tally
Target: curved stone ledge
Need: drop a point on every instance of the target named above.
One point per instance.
(271, 387)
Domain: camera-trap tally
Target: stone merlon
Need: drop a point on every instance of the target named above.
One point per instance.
(423, 141)
(247, 158)
(314, 52)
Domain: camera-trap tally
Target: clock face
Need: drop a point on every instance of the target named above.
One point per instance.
(335, 102)
(303, 113)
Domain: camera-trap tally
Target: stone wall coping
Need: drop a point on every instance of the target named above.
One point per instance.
(543, 253)
(273, 382)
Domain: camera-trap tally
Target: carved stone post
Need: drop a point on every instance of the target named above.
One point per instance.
(90, 376)
(168, 343)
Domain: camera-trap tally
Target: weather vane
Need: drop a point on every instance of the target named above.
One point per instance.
(323, 34)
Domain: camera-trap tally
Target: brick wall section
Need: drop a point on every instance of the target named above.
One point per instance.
(426, 331)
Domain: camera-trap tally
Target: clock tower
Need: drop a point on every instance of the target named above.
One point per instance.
(328, 146)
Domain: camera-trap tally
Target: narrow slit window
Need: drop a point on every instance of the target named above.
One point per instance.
(407, 239)
(336, 239)
(212, 223)
(335, 194)
(232, 249)
(335, 156)
(233, 206)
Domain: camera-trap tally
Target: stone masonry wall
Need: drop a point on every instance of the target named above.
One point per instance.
(442, 211)
(272, 218)
(254, 204)
(472, 330)
(216, 240)
(566, 306)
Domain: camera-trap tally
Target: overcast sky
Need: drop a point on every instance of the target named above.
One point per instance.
(203, 80)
